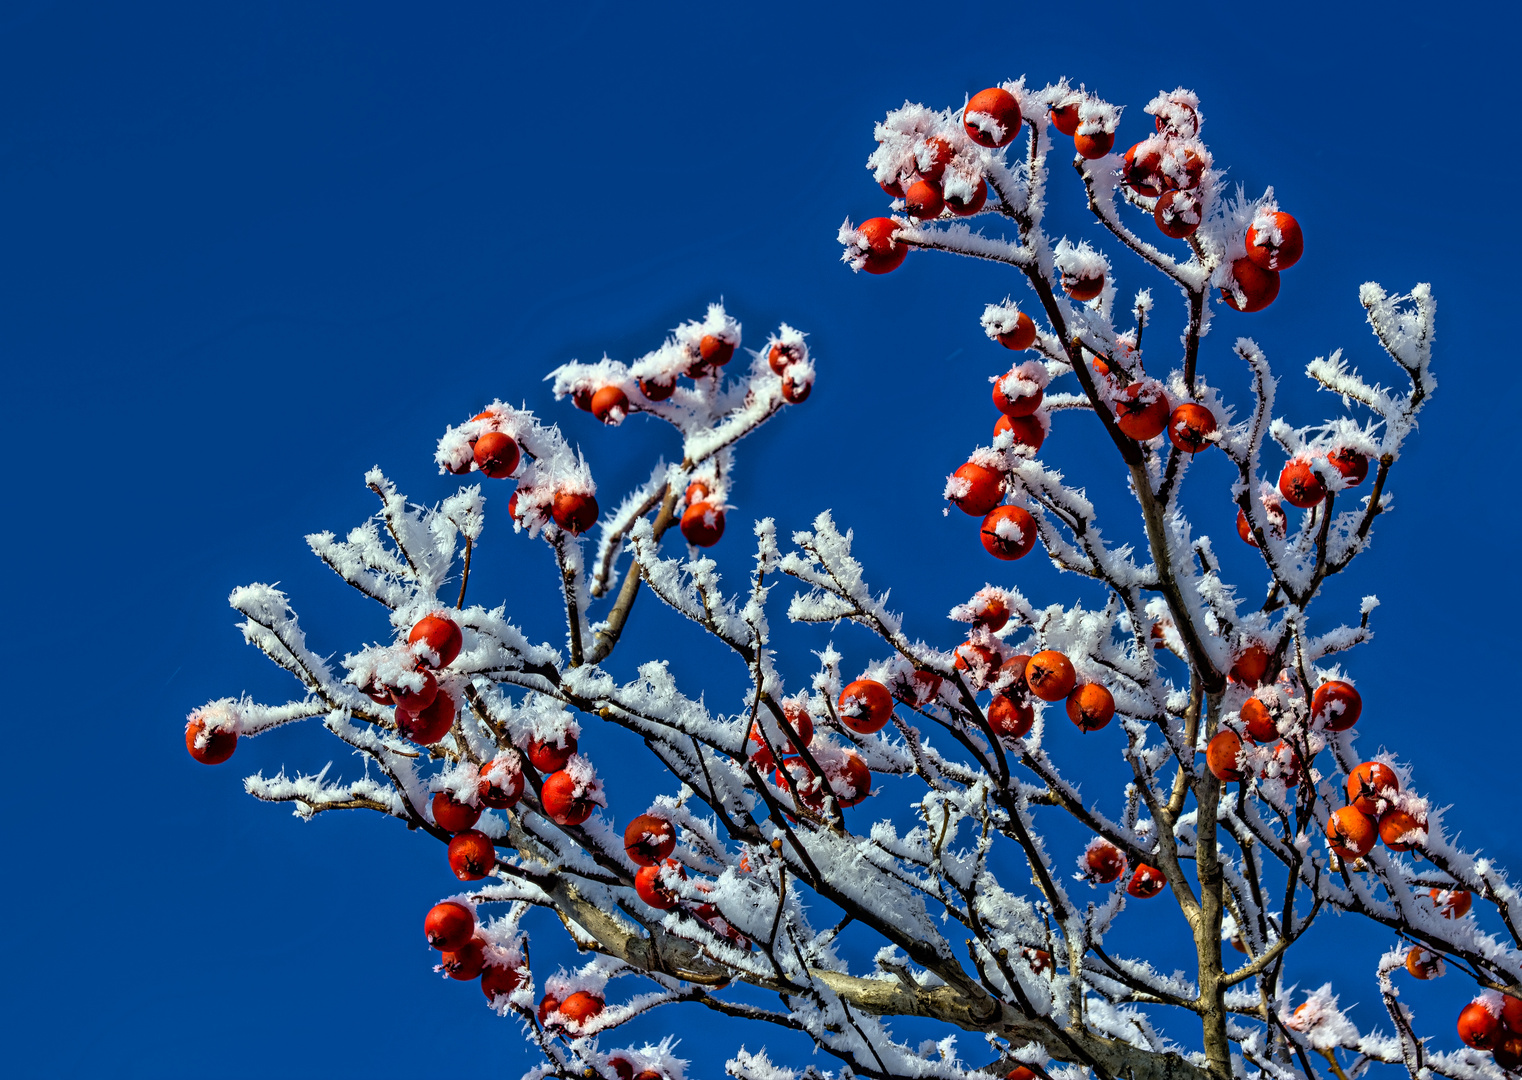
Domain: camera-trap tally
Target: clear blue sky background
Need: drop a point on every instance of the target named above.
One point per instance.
(246, 253)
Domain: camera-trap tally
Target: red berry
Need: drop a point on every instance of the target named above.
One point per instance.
(1300, 485)
(1090, 706)
(1178, 214)
(892, 187)
(979, 661)
(562, 802)
(1350, 463)
(715, 351)
(550, 757)
(649, 839)
(431, 724)
(1146, 882)
(850, 780)
(1280, 255)
(918, 688)
(441, 635)
(1479, 1027)
(1022, 336)
(496, 455)
(1009, 716)
(1285, 765)
(550, 1004)
(574, 512)
(783, 355)
(501, 784)
(796, 386)
(581, 1007)
(1371, 784)
(992, 117)
(1093, 145)
(1010, 678)
(1395, 824)
(449, 925)
(416, 700)
(466, 962)
(1025, 400)
(1190, 427)
(1258, 286)
(1027, 430)
(581, 397)
(1337, 704)
(471, 855)
(985, 487)
(1065, 118)
(215, 746)
(656, 389)
(1141, 410)
(923, 200)
(865, 706)
(1350, 832)
(1259, 722)
(610, 405)
(1182, 169)
(703, 524)
(647, 883)
(883, 255)
(991, 612)
(498, 981)
(451, 815)
(1140, 169)
(1250, 666)
(1451, 903)
(1020, 1072)
(937, 151)
(1104, 861)
(970, 205)
(1008, 532)
(1221, 755)
(622, 1069)
(1050, 675)
(1423, 964)
(1277, 523)
(1083, 287)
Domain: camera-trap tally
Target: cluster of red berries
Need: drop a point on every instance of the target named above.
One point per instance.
(865, 706)
(1372, 813)
(1048, 675)
(1494, 1022)
(702, 522)
(451, 928)
(1143, 412)
(610, 404)
(497, 455)
(1007, 532)
(1336, 704)
(1103, 863)
(1301, 484)
(649, 841)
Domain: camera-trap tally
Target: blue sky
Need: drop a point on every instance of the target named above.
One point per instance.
(247, 254)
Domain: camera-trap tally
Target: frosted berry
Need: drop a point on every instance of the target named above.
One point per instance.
(1090, 706)
(1451, 903)
(581, 1007)
(1093, 145)
(1010, 716)
(979, 661)
(1337, 704)
(1027, 430)
(649, 839)
(466, 962)
(432, 723)
(499, 981)
(966, 207)
(990, 612)
(1011, 676)
(216, 747)
(992, 117)
(548, 1005)
(1178, 214)
(1221, 755)
(1251, 666)
(550, 757)
(416, 699)
(1395, 824)
(1141, 410)
(918, 688)
(1009, 532)
(865, 706)
(715, 351)
(1146, 882)
(985, 487)
(1285, 765)
(1350, 832)
(1259, 722)
(581, 397)
(932, 157)
(610, 405)
(1277, 523)
(1258, 286)
(1021, 336)
(703, 524)
(1024, 402)
(501, 784)
(1050, 675)
(622, 1069)
(883, 255)
(1140, 169)
(453, 816)
(1083, 287)
(1190, 427)
(923, 200)
(1281, 255)
(1350, 463)
(496, 455)
(1182, 168)
(647, 883)
(1371, 784)
(657, 389)
(1065, 119)
(471, 855)
(449, 925)
(442, 637)
(1423, 964)
(1479, 1027)
(796, 386)
(1104, 861)
(561, 801)
(850, 780)
(574, 511)
(1300, 485)
(783, 355)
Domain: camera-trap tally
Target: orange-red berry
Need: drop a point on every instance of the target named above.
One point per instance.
(1350, 832)
(217, 746)
(1050, 675)
(992, 117)
(471, 855)
(1190, 427)
(1090, 706)
(1146, 882)
(1257, 285)
(1008, 532)
(454, 816)
(1370, 784)
(449, 925)
(496, 455)
(1221, 755)
(1280, 255)
(883, 254)
(1337, 704)
(649, 839)
(1300, 485)
(865, 706)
